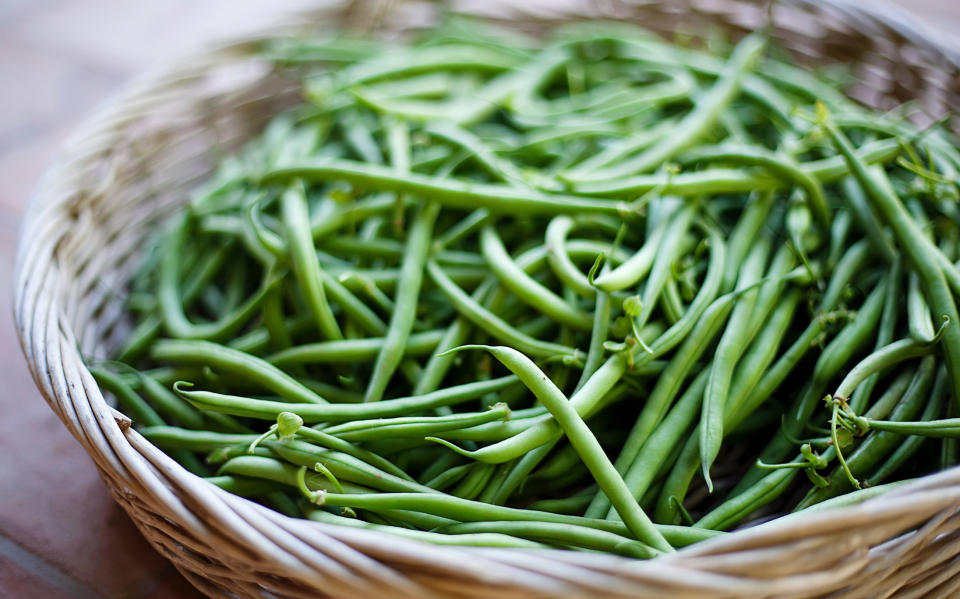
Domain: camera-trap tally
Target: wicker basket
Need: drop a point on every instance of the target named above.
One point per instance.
(133, 164)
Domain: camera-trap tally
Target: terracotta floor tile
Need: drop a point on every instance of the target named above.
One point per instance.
(18, 582)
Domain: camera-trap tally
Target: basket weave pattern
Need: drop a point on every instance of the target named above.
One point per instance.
(134, 163)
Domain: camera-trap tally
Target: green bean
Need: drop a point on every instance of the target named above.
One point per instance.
(441, 361)
(594, 394)
(333, 393)
(598, 334)
(563, 266)
(243, 486)
(637, 267)
(378, 281)
(129, 400)
(272, 469)
(500, 474)
(329, 441)
(469, 540)
(881, 443)
(670, 302)
(655, 52)
(355, 281)
(180, 438)
(706, 111)
(491, 323)
(415, 426)
(668, 252)
(585, 444)
(561, 462)
(949, 448)
(900, 128)
(262, 244)
(473, 484)
(948, 428)
(562, 534)
(463, 229)
(713, 316)
(751, 220)
(304, 259)
(520, 470)
(525, 287)
(752, 372)
(646, 461)
(778, 163)
(617, 149)
(918, 314)
(450, 477)
(883, 358)
(851, 263)
(848, 341)
(485, 156)
(237, 363)
(366, 245)
(346, 215)
(731, 346)
(745, 400)
(918, 248)
(882, 406)
(277, 335)
(350, 351)
(428, 85)
(660, 94)
(174, 320)
(447, 192)
(269, 410)
(737, 508)
(483, 101)
(408, 290)
(168, 404)
(463, 510)
(377, 247)
(834, 356)
(739, 404)
(856, 200)
(910, 446)
(359, 138)
(703, 332)
(344, 467)
(575, 504)
(725, 180)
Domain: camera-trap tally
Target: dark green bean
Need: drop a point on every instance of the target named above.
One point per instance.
(236, 363)
(408, 291)
(352, 350)
(918, 248)
(304, 259)
(585, 443)
(269, 410)
(447, 192)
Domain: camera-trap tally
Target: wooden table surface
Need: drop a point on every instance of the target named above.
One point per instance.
(60, 533)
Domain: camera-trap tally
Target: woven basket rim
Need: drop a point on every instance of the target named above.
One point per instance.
(924, 493)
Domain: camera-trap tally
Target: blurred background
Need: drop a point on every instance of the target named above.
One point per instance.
(61, 535)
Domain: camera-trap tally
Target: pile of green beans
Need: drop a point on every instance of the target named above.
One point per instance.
(594, 292)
